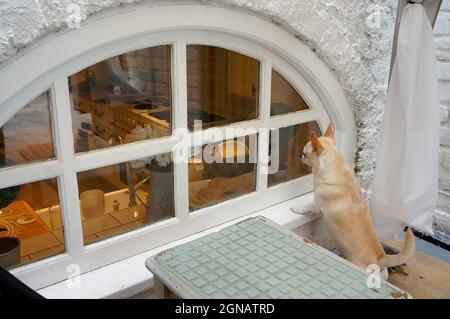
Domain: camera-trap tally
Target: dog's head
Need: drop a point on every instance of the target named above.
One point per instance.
(317, 147)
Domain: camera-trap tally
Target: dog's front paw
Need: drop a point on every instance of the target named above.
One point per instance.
(302, 210)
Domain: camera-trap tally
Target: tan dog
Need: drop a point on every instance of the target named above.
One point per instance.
(338, 196)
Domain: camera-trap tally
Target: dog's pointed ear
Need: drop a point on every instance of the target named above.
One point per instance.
(316, 146)
(329, 132)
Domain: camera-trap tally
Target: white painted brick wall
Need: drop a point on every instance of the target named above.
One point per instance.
(339, 32)
(442, 47)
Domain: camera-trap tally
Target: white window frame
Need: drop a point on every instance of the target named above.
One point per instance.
(48, 65)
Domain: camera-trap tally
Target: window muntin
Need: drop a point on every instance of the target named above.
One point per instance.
(222, 73)
(122, 99)
(27, 136)
(284, 97)
(125, 196)
(288, 143)
(83, 162)
(223, 86)
(221, 171)
(31, 213)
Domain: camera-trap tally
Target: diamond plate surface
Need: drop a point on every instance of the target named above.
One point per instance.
(253, 259)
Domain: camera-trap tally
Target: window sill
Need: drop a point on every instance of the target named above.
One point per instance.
(128, 277)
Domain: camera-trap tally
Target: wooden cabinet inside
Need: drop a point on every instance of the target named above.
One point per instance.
(106, 124)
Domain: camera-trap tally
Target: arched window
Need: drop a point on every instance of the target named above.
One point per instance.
(91, 168)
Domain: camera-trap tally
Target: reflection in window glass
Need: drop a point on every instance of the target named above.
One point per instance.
(27, 136)
(30, 223)
(220, 171)
(288, 145)
(223, 86)
(284, 98)
(121, 197)
(122, 99)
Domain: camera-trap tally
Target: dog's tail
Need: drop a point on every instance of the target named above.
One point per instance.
(406, 254)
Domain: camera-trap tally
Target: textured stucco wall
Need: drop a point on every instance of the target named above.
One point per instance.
(352, 37)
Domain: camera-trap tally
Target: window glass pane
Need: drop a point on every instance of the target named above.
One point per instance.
(30, 223)
(27, 136)
(122, 99)
(287, 149)
(284, 98)
(121, 197)
(220, 171)
(223, 86)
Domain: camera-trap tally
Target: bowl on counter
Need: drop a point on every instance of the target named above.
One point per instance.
(9, 251)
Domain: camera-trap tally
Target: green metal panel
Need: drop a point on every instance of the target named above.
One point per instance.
(257, 259)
